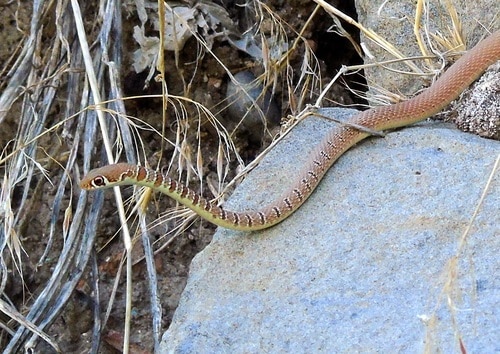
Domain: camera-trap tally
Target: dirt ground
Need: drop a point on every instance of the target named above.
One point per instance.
(72, 329)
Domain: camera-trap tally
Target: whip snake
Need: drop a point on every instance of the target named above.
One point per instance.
(447, 88)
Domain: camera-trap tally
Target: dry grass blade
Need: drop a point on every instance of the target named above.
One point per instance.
(36, 137)
(13, 314)
(156, 308)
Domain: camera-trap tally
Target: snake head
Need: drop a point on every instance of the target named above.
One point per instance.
(95, 179)
(107, 176)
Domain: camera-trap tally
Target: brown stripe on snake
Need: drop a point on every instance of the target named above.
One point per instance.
(236, 218)
(306, 184)
(276, 210)
(317, 163)
(313, 175)
(458, 77)
(196, 198)
(262, 217)
(159, 178)
(298, 194)
(325, 155)
(140, 173)
(222, 213)
(249, 220)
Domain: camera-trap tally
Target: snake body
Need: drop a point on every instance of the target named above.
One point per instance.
(447, 88)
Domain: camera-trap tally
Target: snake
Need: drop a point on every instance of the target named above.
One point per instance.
(430, 101)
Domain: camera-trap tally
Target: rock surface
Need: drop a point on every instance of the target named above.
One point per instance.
(374, 261)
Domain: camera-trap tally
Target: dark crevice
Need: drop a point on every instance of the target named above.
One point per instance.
(335, 50)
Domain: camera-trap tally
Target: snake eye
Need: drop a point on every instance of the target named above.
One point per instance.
(99, 181)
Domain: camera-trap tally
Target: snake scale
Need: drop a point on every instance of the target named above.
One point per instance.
(430, 101)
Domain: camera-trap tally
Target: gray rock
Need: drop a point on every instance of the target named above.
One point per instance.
(374, 261)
